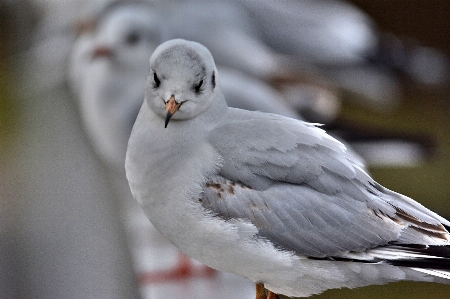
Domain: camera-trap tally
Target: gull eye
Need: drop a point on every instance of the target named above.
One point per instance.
(198, 87)
(156, 80)
(133, 38)
(213, 80)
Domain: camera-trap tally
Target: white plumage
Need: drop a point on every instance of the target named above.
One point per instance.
(274, 199)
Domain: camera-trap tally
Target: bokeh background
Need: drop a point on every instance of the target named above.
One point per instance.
(60, 230)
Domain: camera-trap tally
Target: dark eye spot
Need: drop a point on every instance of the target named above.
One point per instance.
(213, 80)
(133, 38)
(156, 80)
(198, 86)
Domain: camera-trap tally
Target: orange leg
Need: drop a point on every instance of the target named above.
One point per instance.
(260, 291)
(182, 270)
(184, 265)
(185, 268)
(273, 296)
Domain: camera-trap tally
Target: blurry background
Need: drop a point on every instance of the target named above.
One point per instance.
(61, 233)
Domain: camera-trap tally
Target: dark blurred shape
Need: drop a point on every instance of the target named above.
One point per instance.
(14, 26)
(427, 66)
(418, 43)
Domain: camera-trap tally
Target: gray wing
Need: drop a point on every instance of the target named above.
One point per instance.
(305, 192)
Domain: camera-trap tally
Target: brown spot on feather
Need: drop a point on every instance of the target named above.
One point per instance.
(438, 235)
(440, 229)
(231, 189)
(405, 219)
(215, 186)
(380, 214)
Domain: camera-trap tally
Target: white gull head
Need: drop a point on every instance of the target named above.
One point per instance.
(182, 80)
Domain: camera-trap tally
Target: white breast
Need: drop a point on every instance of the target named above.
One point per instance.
(171, 202)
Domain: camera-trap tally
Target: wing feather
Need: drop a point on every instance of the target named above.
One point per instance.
(305, 192)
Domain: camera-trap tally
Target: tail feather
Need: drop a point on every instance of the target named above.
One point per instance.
(431, 260)
(435, 263)
(433, 272)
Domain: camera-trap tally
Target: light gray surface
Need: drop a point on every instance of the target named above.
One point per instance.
(72, 244)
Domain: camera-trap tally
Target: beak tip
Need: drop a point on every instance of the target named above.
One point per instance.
(169, 115)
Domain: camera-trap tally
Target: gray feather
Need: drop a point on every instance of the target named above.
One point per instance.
(305, 192)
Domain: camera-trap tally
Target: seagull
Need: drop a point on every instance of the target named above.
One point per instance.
(274, 199)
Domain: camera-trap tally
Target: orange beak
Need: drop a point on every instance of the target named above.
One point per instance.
(102, 51)
(171, 107)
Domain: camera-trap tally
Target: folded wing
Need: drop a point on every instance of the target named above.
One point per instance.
(306, 193)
